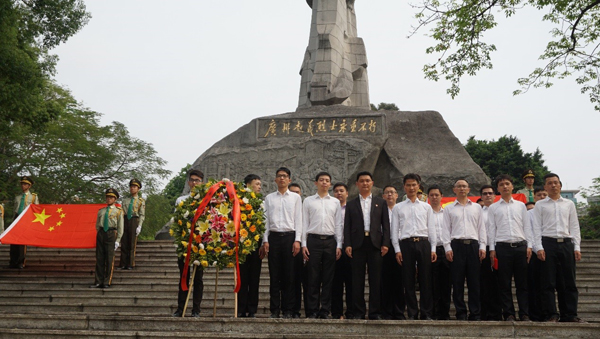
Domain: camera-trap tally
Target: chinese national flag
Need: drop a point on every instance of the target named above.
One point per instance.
(519, 197)
(64, 226)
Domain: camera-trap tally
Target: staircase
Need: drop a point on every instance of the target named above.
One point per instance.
(51, 298)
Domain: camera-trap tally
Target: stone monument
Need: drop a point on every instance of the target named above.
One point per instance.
(334, 70)
(334, 130)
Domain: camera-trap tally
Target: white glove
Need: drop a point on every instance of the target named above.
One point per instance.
(138, 230)
(116, 245)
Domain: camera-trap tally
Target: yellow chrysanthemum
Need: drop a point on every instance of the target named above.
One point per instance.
(230, 264)
(243, 217)
(218, 249)
(244, 233)
(253, 195)
(188, 224)
(230, 252)
(195, 248)
(184, 243)
(171, 232)
(181, 203)
(248, 223)
(209, 248)
(202, 252)
(245, 252)
(183, 233)
(204, 263)
(256, 237)
(180, 222)
(247, 243)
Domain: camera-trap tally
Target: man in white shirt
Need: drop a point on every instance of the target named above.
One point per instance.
(557, 240)
(510, 238)
(440, 269)
(488, 283)
(343, 270)
(393, 303)
(413, 233)
(464, 239)
(534, 271)
(321, 245)
(283, 233)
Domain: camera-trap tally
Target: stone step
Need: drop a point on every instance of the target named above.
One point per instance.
(128, 325)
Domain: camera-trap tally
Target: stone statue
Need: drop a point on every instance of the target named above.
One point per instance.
(334, 70)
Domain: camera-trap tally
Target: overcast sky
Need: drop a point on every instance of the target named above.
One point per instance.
(173, 71)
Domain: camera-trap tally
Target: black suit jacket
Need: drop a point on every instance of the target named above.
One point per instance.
(354, 226)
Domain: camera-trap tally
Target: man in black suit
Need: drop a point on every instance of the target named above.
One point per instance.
(366, 241)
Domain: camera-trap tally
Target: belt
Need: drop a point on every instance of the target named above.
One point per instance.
(320, 236)
(282, 234)
(557, 240)
(512, 244)
(367, 234)
(465, 241)
(415, 239)
(439, 247)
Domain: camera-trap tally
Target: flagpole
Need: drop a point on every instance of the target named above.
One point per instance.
(235, 299)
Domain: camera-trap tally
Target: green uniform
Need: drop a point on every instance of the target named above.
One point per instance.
(105, 242)
(135, 211)
(528, 193)
(17, 252)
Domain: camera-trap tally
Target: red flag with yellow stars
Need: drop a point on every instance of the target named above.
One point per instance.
(63, 226)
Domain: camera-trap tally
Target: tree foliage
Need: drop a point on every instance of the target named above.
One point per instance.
(459, 27)
(385, 106)
(73, 159)
(175, 186)
(29, 29)
(505, 156)
(159, 210)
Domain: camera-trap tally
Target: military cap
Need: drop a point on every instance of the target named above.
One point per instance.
(26, 180)
(528, 173)
(111, 192)
(135, 182)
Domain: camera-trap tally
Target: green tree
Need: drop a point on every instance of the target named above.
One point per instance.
(158, 212)
(28, 31)
(459, 27)
(74, 159)
(505, 156)
(175, 186)
(385, 106)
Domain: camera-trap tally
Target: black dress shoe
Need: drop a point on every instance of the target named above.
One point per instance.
(122, 267)
(411, 318)
(251, 315)
(312, 316)
(323, 316)
(96, 286)
(287, 315)
(274, 316)
(105, 286)
(177, 314)
(195, 314)
(241, 315)
(525, 318)
(296, 315)
(511, 318)
(427, 318)
(461, 317)
(376, 317)
(129, 268)
(574, 320)
(552, 319)
(21, 266)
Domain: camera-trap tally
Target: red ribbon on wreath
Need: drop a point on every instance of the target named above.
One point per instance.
(232, 193)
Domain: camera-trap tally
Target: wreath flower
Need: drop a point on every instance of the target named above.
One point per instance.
(214, 240)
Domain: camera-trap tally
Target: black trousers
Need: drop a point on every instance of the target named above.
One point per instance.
(300, 284)
(342, 278)
(197, 290)
(105, 256)
(366, 255)
(413, 254)
(442, 285)
(249, 283)
(281, 271)
(512, 261)
(17, 253)
(534, 287)
(320, 268)
(393, 302)
(466, 265)
(491, 307)
(128, 242)
(560, 260)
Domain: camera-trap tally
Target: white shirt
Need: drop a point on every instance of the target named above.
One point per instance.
(365, 204)
(508, 222)
(439, 225)
(322, 216)
(413, 219)
(555, 219)
(531, 215)
(463, 222)
(283, 213)
(484, 214)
